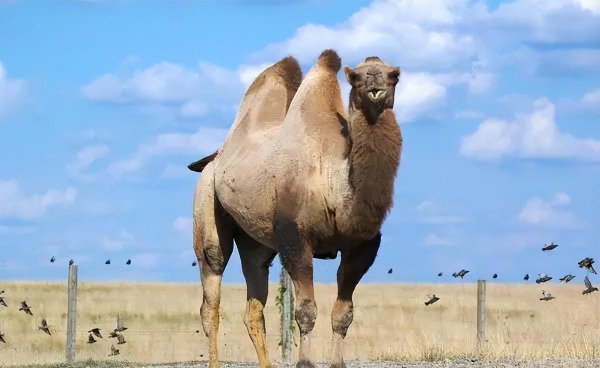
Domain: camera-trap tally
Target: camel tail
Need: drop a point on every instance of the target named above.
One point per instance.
(199, 165)
(330, 60)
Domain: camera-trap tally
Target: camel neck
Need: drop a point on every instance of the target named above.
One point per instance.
(374, 159)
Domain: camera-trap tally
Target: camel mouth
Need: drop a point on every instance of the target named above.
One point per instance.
(376, 95)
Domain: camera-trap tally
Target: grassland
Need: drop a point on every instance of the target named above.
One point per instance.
(391, 322)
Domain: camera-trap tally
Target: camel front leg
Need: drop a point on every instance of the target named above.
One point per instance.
(354, 264)
(297, 256)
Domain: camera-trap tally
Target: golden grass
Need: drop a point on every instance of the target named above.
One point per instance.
(391, 322)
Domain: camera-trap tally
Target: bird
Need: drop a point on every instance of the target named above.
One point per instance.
(432, 299)
(25, 308)
(52, 259)
(96, 332)
(546, 296)
(526, 277)
(120, 339)
(2, 302)
(44, 327)
(460, 273)
(91, 339)
(588, 286)
(120, 327)
(495, 276)
(113, 351)
(107, 261)
(549, 246)
(567, 278)
(194, 264)
(2, 337)
(440, 274)
(587, 263)
(542, 278)
(71, 262)
(390, 270)
(112, 334)
(128, 262)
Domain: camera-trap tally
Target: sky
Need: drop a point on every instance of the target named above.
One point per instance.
(103, 104)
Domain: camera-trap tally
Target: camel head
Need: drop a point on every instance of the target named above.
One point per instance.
(373, 86)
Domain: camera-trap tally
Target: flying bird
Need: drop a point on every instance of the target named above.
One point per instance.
(120, 327)
(2, 302)
(542, 278)
(588, 286)
(2, 337)
(112, 334)
(546, 296)
(96, 332)
(440, 274)
(432, 299)
(526, 277)
(120, 339)
(495, 276)
(71, 262)
(113, 351)
(25, 308)
(194, 264)
(390, 270)
(549, 246)
(460, 273)
(587, 263)
(44, 327)
(107, 261)
(91, 339)
(567, 278)
(52, 259)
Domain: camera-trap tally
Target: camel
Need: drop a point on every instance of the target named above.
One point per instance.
(300, 176)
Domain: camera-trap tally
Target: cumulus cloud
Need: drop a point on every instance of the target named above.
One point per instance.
(17, 205)
(431, 213)
(550, 213)
(203, 141)
(86, 157)
(183, 225)
(12, 92)
(535, 136)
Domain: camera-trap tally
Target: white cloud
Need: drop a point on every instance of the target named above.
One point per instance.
(145, 260)
(15, 204)
(535, 135)
(86, 157)
(592, 99)
(183, 225)
(550, 213)
(12, 92)
(435, 239)
(117, 242)
(431, 213)
(204, 141)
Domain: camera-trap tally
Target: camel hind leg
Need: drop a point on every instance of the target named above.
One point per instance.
(213, 244)
(354, 264)
(256, 260)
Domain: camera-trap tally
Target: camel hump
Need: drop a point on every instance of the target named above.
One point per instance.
(289, 70)
(330, 60)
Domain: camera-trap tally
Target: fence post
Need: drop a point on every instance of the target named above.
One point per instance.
(286, 316)
(480, 314)
(71, 312)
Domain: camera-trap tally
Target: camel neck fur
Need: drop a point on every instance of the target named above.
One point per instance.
(374, 158)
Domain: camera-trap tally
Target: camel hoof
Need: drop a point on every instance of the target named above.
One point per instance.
(305, 364)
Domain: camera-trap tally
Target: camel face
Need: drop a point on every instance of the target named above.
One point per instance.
(373, 86)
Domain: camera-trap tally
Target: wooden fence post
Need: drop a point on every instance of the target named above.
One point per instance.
(287, 305)
(71, 312)
(480, 314)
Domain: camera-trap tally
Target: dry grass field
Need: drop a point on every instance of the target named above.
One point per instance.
(391, 322)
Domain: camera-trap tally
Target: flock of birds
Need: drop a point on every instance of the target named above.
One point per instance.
(71, 262)
(586, 263)
(44, 327)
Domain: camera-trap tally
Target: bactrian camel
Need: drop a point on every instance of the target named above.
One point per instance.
(300, 176)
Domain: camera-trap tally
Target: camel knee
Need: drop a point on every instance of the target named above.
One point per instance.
(306, 316)
(342, 316)
(207, 313)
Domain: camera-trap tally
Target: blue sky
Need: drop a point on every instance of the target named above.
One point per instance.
(103, 104)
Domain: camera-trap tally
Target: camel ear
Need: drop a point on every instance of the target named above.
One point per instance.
(350, 75)
(394, 73)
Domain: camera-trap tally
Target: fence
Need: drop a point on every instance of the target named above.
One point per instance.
(390, 322)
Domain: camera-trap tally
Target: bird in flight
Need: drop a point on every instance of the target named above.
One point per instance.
(549, 246)
(120, 327)
(25, 308)
(587, 263)
(96, 332)
(2, 302)
(390, 271)
(588, 286)
(120, 339)
(44, 327)
(440, 274)
(71, 262)
(91, 339)
(495, 276)
(567, 278)
(194, 264)
(113, 351)
(431, 299)
(526, 277)
(460, 273)
(107, 261)
(542, 278)
(546, 296)
(128, 262)
(52, 259)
